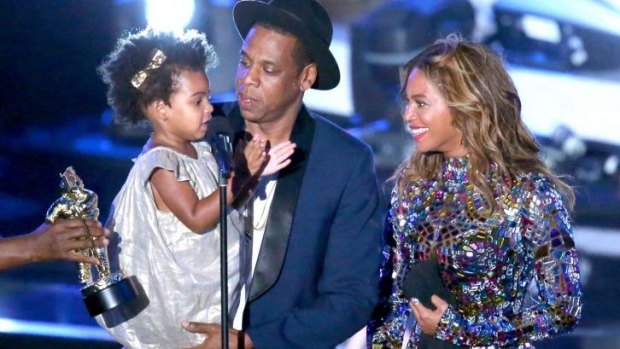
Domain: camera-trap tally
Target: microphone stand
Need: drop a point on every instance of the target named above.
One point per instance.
(223, 183)
(220, 140)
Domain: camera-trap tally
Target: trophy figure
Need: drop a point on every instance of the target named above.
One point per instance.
(110, 294)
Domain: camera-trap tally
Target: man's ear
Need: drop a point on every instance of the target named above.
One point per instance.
(308, 76)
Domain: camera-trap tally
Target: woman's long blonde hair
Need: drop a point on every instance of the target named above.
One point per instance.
(486, 109)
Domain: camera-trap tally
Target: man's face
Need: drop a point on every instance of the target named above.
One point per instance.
(268, 82)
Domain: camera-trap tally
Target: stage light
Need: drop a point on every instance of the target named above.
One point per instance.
(169, 15)
(541, 28)
(611, 166)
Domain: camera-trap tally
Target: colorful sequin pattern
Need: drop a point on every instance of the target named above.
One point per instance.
(513, 269)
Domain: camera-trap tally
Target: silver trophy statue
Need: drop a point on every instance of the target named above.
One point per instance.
(110, 294)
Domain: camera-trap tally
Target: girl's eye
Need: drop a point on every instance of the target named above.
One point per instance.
(202, 100)
(420, 104)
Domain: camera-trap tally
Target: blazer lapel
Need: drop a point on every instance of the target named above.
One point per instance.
(274, 246)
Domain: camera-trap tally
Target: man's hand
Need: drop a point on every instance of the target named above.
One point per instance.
(50, 242)
(213, 332)
(58, 241)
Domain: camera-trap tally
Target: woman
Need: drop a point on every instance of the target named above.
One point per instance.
(475, 196)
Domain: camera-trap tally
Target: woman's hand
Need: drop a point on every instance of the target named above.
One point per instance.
(427, 318)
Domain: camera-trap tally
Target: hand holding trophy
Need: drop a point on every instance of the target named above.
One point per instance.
(116, 297)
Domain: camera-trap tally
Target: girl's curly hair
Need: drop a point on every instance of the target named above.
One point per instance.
(189, 50)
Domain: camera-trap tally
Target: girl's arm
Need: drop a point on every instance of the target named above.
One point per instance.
(179, 197)
(254, 166)
(201, 215)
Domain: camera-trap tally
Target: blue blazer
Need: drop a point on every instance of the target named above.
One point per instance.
(315, 282)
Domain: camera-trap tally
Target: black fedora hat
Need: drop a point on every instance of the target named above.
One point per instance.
(306, 19)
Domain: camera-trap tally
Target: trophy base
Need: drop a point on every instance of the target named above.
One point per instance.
(116, 303)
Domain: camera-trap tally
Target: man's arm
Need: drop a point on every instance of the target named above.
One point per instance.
(57, 241)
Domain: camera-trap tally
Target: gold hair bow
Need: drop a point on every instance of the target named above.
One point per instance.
(158, 59)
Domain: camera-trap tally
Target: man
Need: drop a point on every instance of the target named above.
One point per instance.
(314, 231)
(57, 241)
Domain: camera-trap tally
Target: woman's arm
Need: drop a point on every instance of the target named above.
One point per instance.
(387, 327)
(557, 308)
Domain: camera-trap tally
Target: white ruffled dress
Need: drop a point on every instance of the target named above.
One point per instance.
(180, 270)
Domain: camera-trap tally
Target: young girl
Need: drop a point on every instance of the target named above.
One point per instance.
(166, 214)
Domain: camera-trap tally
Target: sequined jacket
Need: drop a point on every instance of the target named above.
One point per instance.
(513, 269)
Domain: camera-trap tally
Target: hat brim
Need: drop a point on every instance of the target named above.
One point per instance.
(247, 13)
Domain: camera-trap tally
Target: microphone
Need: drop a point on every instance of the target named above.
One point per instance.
(220, 135)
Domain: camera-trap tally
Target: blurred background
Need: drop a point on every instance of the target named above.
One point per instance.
(564, 57)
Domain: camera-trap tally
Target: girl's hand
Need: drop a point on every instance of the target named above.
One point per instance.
(279, 157)
(427, 318)
(255, 154)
